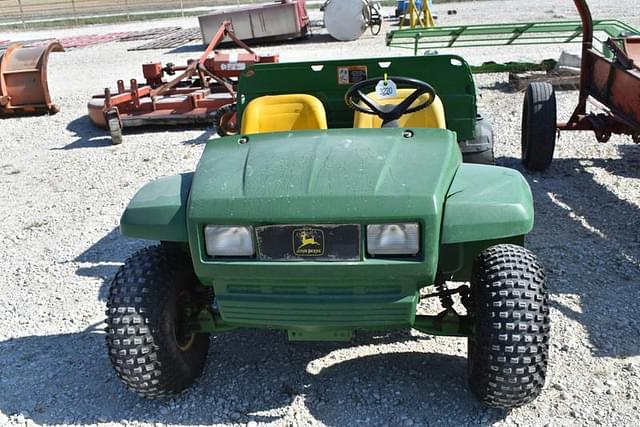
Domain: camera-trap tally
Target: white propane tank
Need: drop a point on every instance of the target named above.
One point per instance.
(346, 20)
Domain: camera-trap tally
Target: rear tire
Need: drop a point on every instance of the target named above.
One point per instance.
(508, 352)
(539, 124)
(145, 311)
(480, 150)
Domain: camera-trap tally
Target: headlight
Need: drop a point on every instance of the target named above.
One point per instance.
(393, 239)
(224, 240)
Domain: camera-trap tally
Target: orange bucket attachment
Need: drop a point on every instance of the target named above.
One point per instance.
(23, 79)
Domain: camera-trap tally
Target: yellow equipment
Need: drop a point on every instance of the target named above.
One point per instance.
(418, 17)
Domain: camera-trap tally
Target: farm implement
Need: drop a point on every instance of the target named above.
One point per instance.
(261, 23)
(203, 92)
(24, 87)
(609, 78)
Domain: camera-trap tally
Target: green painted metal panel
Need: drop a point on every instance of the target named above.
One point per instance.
(329, 335)
(352, 176)
(487, 202)
(362, 308)
(158, 210)
(448, 74)
(316, 295)
(333, 176)
(549, 32)
(456, 259)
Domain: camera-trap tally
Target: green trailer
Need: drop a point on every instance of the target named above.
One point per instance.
(341, 203)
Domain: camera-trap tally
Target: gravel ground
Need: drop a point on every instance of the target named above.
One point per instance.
(64, 187)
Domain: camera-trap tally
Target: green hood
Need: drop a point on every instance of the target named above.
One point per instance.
(335, 176)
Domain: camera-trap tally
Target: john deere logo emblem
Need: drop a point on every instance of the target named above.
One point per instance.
(308, 242)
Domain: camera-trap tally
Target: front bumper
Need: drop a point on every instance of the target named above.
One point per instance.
(315, 296)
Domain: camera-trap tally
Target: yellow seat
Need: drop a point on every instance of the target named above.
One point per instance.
(281, 113)
(430, 117)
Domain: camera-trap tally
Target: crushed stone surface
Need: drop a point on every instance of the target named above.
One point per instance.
(64, 187)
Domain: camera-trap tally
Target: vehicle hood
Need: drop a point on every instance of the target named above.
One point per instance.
(333, 176)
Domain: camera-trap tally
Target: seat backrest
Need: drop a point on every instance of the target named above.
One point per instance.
(430, 117)
(281, 113)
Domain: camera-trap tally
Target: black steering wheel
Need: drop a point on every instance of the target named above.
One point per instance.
(389, 113)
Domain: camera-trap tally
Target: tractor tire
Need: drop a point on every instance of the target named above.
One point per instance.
(222, 120)
(145, 309)
(115, 130)
(539, 124)
(508, 352)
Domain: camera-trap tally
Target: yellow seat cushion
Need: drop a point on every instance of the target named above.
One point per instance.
(281, 113)
(430, 117)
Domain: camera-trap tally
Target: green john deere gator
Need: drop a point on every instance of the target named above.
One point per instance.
(341, 203)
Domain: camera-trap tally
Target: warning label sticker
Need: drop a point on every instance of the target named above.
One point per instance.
(352, 74)
(238, 66)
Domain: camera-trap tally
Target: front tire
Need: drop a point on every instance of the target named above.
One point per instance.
(539, 124)
(149, 349)
(508, 352)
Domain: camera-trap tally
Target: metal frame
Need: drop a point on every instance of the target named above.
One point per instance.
(516, 34)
